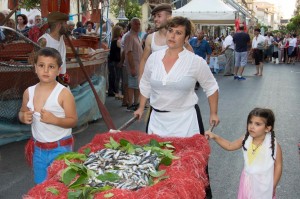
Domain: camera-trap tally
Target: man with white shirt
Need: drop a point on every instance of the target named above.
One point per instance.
(258, 44)
(55, 39)
(292, 50)
(228, 47)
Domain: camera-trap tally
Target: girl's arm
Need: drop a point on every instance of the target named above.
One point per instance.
(277, 167)
(225, 144)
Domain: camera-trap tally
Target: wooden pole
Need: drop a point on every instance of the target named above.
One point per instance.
(105, 114)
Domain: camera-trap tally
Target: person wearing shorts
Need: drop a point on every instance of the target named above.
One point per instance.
(133, 54)
(258, 43)
(241, 40)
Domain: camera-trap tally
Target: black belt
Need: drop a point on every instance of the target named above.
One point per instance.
(160, 111)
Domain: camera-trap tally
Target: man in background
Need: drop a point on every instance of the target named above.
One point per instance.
(228, 46)
(241, 40)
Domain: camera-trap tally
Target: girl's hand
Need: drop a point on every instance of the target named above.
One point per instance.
(209, 135)
(139, 113)
(47, 117)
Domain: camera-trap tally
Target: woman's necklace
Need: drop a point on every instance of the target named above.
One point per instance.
(254, 149)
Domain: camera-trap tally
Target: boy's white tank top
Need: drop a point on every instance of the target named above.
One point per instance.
(41, 131)
(58, 45)
(155, 47)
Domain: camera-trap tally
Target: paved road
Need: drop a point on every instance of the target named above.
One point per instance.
(278, 89)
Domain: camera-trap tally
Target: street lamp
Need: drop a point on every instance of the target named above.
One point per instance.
(122, 16)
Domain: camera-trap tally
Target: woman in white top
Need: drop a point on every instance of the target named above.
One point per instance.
(292, 50)
(89, 28)
(169, 79)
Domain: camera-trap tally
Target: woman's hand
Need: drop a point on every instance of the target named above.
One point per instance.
(139, 112)
(214, 119)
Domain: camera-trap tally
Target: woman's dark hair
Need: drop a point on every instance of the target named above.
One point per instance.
(89, 22)
(181, 21)
(25, 19)
(49, 52)
(269, 116)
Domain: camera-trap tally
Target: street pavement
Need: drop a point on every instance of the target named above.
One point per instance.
(278, 89)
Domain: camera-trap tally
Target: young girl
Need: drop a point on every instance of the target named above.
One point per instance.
(262, 155)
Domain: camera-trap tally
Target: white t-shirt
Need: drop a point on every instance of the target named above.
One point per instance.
(228, 42)
(293, 42)
(257, 40)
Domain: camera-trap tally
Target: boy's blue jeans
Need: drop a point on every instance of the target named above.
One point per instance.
(42, 158)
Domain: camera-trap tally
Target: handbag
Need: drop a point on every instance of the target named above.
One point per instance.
(261, 46)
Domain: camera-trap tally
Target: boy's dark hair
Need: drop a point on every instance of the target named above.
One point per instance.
(269, 116)
(181, 21)
(49, 52)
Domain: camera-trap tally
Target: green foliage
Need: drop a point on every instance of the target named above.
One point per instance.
(29, 4)
(294, 25)
(71, 156)
(52, 190)
(132, 9)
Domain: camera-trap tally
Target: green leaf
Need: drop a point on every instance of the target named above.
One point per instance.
(68, 175)
(166, 161)
(71, 156)
(170, 146)
(157, 173)
(52, 190)
(154, 143)
(108, 195)
(87, 151)
(129, 148)
(100, 189)
(75, 194)
(111, 177)
(78, 167)
(124, 142)
(160, 179)
(81, 181)
(112, 144)
(150, 182)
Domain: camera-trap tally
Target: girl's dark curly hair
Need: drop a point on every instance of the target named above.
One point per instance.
(268, 115)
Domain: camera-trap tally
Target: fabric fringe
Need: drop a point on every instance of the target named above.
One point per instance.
(29, 149)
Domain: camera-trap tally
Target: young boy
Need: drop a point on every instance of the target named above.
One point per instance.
(50, 109)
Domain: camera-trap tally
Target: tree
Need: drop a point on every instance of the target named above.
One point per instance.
(294, 25)
(132, 8)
